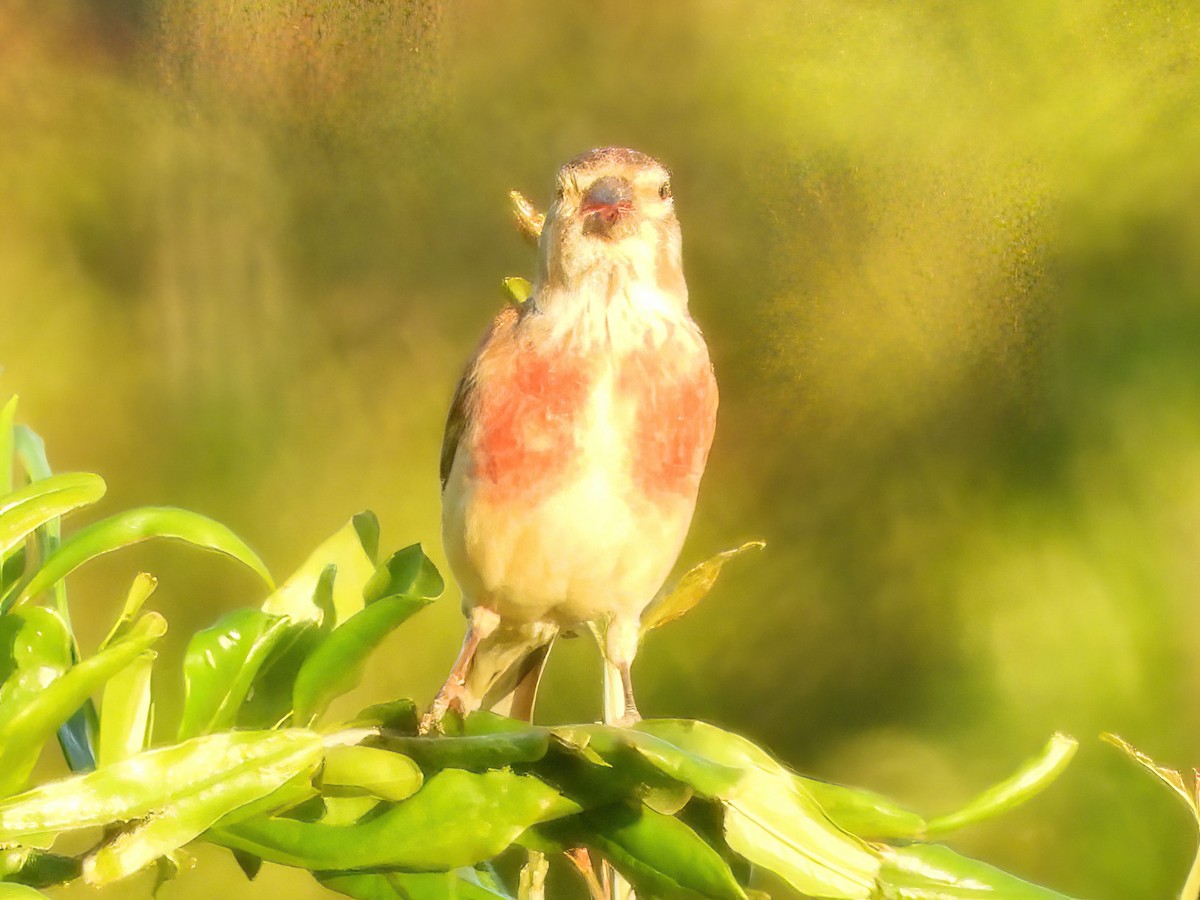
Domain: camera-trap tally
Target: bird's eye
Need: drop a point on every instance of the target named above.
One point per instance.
(664, 190)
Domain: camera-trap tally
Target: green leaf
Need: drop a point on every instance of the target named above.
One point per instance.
(19, 892)
(865, 813)
(31, 450)
(659, 855)
(26, 728)
(126, 711)
(269, 703)
(220, 665)
(139, 592)
(933, 872)
(191, 813)
(691, 588)
(408, 572)
(351, 549)
(771, 818)
(1031, 779)
(336, 665)
(27, 509)
(151, 781)
(518, 289)
(485, 751)
(7, 413)
(457, 819)
(36, 653)
(133, 526)
(357, 771)
(408, 886)
(36, 868)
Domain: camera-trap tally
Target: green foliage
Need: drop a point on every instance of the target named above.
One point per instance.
(374, 809)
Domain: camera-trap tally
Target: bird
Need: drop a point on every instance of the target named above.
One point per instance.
(576, 441)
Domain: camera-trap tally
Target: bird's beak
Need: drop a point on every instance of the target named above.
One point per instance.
(607, 201)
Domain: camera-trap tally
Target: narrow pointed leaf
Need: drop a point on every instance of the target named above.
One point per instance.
(691, 588)
(865, 813)
(153, 780)
(36, 868)
(24, 510)
(934, 872)
(1172, 778)
(469, 751)
(529, 221)
(350, 550)
(220, 666)
(31, 450)
(658, 854)
(518, 290)
(192, 812)
(357, 771)
(408, 572)
(1031, 779)
(137, 525)
(336, 665)
(126, 711)
(408, 886)
(144, 584)
(7, 413)
(24, 731)
(457, 819)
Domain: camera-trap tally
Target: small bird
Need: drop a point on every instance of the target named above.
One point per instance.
(575, 442)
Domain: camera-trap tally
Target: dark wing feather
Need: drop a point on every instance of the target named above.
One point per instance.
(456, 421)
(464, 394)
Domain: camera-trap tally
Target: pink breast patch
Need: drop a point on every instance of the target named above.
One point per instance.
(528, 417)
(676, 417)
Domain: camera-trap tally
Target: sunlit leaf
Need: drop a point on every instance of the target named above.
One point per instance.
(26, 728)
(19, 892)
(24, 510)
(36, 652)
(126, 711)
(188, 814)
(407, 572)
(457, 819)
(658, 854)
(220, 666)
(355, 771)
(336, 665)
(934, 872)
(485, 751)
(352, 550)
(1029, 780)
(155, 779)
(137, 525)
(518, 290)
(691, 588)
(7, 413)
(37, 868)
(31, 450)
(529, 220)
(770, 817)
(144, 584)
(409, 886)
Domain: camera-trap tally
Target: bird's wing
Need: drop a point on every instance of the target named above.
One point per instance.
(461, 407)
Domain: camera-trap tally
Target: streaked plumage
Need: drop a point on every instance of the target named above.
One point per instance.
(577, 437)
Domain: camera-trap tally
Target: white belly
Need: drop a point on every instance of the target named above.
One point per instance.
(590, 545)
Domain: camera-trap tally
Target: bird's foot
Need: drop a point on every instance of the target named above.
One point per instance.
(450, 697)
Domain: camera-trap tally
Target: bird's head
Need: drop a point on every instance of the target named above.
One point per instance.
(612, 217)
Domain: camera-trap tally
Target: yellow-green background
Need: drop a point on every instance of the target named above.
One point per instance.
(946, 254)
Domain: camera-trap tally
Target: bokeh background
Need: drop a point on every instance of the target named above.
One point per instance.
(947, 257)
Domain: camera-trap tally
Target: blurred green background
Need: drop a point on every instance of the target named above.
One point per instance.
(947, 257)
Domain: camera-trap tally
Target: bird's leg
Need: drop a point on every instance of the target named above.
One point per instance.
(481, 623)
(621, 640)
